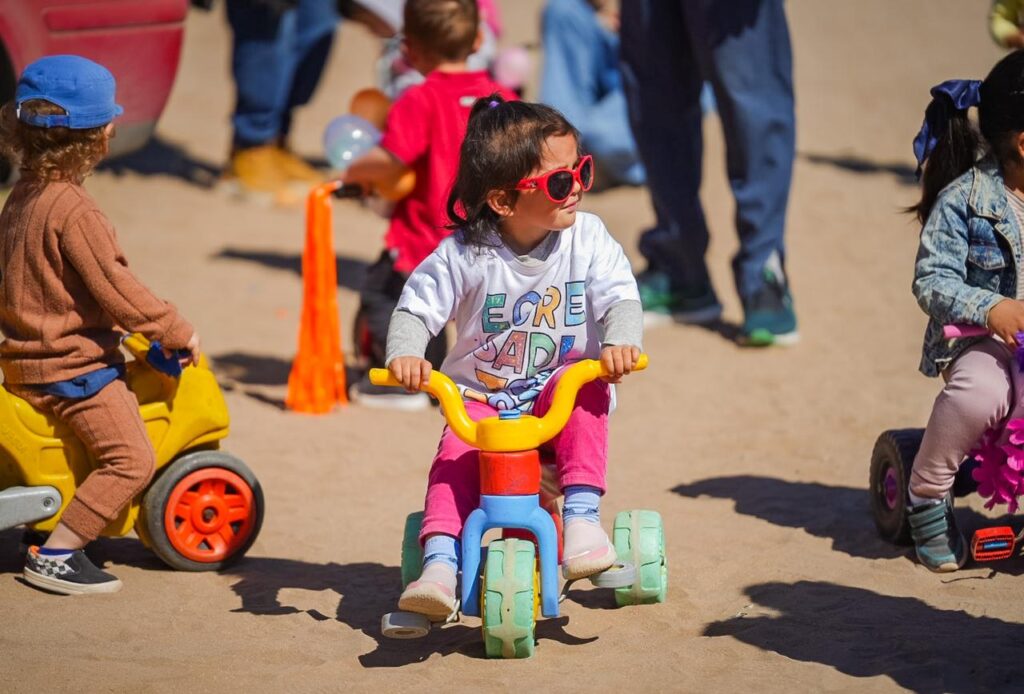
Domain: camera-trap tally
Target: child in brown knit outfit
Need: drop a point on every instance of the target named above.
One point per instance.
(65, 294)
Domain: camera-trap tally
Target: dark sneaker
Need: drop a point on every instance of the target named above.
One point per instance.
(662, 303)
(388, 397)
(72, 575)
(768, 316)
(939, 544)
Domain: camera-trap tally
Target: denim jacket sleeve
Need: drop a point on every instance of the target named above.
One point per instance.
(940, 273)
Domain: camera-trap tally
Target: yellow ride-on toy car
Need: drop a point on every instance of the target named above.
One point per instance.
(203, 509)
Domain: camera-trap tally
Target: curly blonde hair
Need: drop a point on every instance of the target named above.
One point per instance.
(50, 154)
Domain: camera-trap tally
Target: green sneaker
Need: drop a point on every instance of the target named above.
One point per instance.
(662, 303)
(768, 316)
(939, 544)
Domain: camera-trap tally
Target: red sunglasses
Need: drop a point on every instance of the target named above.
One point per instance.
(558, 184)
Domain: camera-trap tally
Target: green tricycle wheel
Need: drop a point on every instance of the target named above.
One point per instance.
(412, 552)
(509, 599)
(639, 539)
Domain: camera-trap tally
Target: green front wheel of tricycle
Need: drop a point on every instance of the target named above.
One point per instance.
(509, 595)
(639, 539)
(412, 551)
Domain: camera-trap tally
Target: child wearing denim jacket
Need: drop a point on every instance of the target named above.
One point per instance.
(65, 294)
(967, 271)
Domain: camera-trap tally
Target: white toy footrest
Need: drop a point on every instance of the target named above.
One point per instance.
(618, 575)
(404, 625)
(19, 505)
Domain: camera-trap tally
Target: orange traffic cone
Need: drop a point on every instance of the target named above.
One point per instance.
(317, 380)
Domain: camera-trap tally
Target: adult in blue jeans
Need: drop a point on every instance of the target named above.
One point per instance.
(742, 48)
(279, 49)
(581, 78)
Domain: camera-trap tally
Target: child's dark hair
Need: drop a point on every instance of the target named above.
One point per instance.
(49, 154)
(445, 28)
(1000, 119)
(504, 142)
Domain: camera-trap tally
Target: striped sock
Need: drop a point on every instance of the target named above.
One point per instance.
(54, 553)
(441, 548)
(583, 502)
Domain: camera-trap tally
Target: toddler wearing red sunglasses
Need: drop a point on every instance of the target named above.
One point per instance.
(532, 284)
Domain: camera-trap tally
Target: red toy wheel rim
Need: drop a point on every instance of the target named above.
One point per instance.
(209, 515)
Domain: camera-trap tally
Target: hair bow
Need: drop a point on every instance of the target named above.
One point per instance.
(951, 95)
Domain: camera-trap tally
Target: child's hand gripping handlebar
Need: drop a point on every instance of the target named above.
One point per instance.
(152, 353)
(953, 331)
(501, 435)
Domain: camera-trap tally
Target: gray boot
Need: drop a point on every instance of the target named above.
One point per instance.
(939, 544)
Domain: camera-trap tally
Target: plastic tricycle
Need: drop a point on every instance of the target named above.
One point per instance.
(893, 459)
(519, 576)
(202, 510)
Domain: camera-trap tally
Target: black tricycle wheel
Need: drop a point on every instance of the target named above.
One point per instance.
(891, 462)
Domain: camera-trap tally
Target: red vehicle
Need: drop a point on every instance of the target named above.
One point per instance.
(137, 40)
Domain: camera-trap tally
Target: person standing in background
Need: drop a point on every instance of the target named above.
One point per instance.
(581, 78)
(742, 48)
(279, 50)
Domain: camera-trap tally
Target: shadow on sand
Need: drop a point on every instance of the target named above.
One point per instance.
(162, 158)
(903, 173)
(864, 634)
(261, 377)
(842, 514)
(366, 592)
(351, 271)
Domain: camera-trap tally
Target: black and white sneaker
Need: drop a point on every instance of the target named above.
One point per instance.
(71, 574)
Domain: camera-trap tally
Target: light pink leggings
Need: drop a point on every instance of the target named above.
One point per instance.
(978, 396)
(580, 452)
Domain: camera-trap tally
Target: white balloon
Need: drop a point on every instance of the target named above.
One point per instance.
(347, 138)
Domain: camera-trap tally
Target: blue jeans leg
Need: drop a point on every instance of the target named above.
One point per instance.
(314, 36)
(607, 136)
(277, 60)
(742, 48)
(749, 64)
(662, 80)
(581, 79)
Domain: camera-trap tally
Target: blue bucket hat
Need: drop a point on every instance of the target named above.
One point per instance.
(78, 85)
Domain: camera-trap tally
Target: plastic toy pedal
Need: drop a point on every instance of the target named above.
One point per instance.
(992, 544)
(404, 625)
(619, 575)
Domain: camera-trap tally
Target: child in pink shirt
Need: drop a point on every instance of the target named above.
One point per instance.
(424, 132)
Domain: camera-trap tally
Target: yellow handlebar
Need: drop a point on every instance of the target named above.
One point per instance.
(501, 435)
(137, 345)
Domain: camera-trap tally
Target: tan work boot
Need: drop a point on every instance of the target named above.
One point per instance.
(259, 170)
(295, 168)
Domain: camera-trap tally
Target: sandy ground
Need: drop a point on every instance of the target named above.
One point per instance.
(758, 460)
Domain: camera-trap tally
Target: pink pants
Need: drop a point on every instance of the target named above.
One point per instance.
(978, 396)
(580, 451)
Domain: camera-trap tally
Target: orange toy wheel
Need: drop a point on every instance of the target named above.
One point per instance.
(203, 512)
(209, 515)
